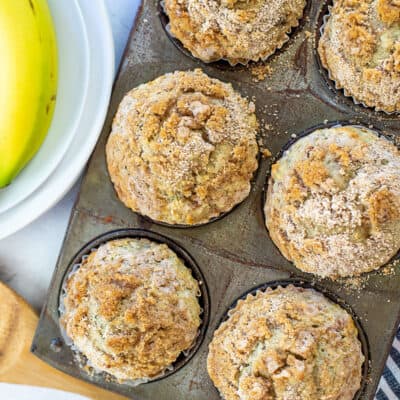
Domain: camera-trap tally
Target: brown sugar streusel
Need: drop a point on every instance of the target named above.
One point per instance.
(288, 343)
(238, 31)
(360, 47)
(183, 148)
(333, 202)
(132, 308)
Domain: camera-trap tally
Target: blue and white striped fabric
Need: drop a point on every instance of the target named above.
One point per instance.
(389, 386)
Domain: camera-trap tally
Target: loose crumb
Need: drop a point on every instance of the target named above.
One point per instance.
(266, 153)
(260, 72)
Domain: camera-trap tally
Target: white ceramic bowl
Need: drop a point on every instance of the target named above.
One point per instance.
(81, 128)
(73, 56)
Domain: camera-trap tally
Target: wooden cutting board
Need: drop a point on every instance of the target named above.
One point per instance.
(17, 365)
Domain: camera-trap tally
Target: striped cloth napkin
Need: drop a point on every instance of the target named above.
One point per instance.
(389, 386)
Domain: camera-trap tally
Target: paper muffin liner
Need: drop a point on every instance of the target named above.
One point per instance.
(348, 95)
(83, 362)
(242, 63)
(268, 181)
(305, 284)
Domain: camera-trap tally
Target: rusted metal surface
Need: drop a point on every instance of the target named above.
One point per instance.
(234, 253)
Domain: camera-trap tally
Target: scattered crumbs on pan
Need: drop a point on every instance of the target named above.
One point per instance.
(354, 283)
(308, 34)
(387, 270)
(260, 71)
(359, 282)
(267, 126)
(266, 152)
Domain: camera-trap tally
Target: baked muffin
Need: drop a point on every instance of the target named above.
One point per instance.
(131, 308)
(360, 47)
(238, 31)
(288, 343)
(333, 202)
(183, 148)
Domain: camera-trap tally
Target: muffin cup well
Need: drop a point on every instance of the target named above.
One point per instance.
(327, 125)
(225, 64)
(332, 84)
(189, 262)
(362, 337)
(211, 190)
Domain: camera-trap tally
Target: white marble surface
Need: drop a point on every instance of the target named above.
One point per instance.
(22, 392)
(28, 257)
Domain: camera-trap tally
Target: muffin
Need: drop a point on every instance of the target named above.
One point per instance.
(131, 308)
(333, 202)
(238, 31)
(183, 148)
(360, 47)
(289, 343)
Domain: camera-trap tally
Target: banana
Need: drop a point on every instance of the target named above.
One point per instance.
(28, 82)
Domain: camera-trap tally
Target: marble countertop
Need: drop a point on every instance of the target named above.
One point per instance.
(28, 257)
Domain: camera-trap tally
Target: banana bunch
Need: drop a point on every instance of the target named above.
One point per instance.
(28, 82)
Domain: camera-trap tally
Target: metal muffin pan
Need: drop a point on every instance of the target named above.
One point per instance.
(234, 253)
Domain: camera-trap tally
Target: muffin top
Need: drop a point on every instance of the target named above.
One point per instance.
(131, 308)
(333, 202)
(183, 148)
(288, 343)
(360, 47)
(235, 30)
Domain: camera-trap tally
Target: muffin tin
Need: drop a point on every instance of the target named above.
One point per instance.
(234, 253)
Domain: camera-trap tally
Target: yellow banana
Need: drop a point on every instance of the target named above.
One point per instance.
(28, 82)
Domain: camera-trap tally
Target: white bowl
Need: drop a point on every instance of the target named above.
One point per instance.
(73, 56)
(86, 124)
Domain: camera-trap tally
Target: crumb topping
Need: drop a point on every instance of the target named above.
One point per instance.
(131, 308)
(235, 30)
(183, 148)
(333, 202)
(287, 343)
(360, 47)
